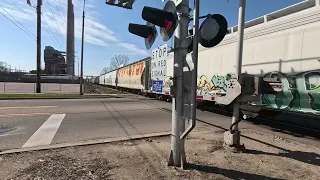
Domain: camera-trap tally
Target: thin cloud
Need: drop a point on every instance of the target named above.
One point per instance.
(18, 12)
(96, 33)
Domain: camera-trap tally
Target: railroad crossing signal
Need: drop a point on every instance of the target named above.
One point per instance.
(166, 19)
(212, 30)
(148, 31)
(127, 4)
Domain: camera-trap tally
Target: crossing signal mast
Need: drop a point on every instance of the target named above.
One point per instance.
(174, 18)
(241, 88)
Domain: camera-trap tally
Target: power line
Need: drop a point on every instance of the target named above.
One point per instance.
(51, 37)
(30, 35)
(50, 29)
(54, 39)
(33, 37)
(54, 17)
(59, 6)
(18, 21)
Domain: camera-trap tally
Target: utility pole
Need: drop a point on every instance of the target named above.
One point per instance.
(38, 84)
(177, 153)
(81, 71)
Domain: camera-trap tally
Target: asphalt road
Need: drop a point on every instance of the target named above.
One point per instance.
(28, 123)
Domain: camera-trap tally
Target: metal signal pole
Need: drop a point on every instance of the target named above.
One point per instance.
(81, 71)
(195, 69)
(236, 107)
(38, 82)
(177, 154)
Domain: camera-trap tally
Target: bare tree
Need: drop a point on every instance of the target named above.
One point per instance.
(119, 61)
(105, 70)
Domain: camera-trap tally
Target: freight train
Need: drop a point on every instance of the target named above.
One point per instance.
(283, 44)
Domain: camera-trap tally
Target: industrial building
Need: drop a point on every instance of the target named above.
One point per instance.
(54, 60)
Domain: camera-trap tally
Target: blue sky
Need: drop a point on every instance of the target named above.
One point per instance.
(106, 29)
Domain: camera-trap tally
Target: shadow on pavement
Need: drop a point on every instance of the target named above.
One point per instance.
(232, 174)
(306, 157)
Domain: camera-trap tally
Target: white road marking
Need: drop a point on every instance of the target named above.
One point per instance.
(45, 134)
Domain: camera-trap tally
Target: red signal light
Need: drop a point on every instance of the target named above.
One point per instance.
(167, 25)
(149, 37)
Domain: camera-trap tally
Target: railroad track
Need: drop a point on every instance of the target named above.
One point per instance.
(98, 89)
(272, 122)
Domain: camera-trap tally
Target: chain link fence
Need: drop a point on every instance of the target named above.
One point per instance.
(24, 84)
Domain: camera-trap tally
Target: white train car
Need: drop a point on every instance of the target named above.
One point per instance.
(283, 44)
(130, 77)
(110, 78)
(101, 79)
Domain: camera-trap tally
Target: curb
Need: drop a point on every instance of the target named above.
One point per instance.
(85, 143)
(87, 97)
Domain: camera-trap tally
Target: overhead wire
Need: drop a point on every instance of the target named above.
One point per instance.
(51, 30)
(54, 18)
(28, 32)
(54, 39)
(59, 7)
(25, 31)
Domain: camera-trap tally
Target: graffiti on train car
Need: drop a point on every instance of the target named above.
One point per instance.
(214, 86)
(301, 92)
(168, 82)
(131, 74)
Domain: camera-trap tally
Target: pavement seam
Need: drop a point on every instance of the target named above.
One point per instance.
(85, 143)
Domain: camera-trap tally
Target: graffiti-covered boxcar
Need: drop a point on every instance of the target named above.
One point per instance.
(285, 47)
(283, 44)
(131, 76)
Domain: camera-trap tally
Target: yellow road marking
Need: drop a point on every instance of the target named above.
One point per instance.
(27, 107)
(29, 114)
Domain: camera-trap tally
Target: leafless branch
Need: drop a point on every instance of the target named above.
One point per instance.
(119, 61)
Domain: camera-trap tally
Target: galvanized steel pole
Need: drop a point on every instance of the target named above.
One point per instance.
(177, 153)
(195, 69)
(241, 19)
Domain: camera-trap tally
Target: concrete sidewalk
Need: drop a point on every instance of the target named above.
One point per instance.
(267, 157)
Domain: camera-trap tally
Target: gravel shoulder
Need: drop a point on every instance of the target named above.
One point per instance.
(267, 157)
